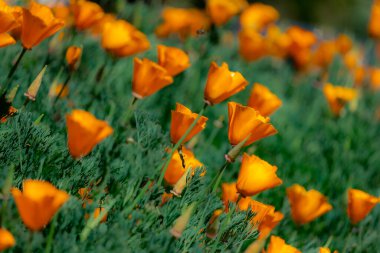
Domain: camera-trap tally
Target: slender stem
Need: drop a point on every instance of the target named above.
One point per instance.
(51, 235)
(179, 143)
(130, 111)
(13, 70)
(63, 87)
(218, 178)
(30, 242)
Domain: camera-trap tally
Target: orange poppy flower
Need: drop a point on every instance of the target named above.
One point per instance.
(252, 45)
(257, 16)
(353, 59)
(263, 100)
(229, 194)
(374, 78)
(176, 170)
(278, 245)
(8, 19)
(6, 40)
(38, 24)
(63, 12)
(97, 28)
(6, 239)
(360, 204)
(165, 198)
(374, 21)
(86, 13)
(222, 83)
(324, 54)
(38, 202)
(277, 42)
(122, 39)
(306, 205)
(255, 176)
(338, 96)
(360, 75)
(260, 209)
(221, 11)
(300, 48)
(269, 222)
(84, 132)
(173, 59)
(73, 56)
(148, 78)
(326, 250)
(343, 44)
(245, 121)
(182, 118)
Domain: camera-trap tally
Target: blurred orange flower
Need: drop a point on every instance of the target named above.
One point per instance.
(38, 24)
(229, 194)
(182, 118)
(252, 45)
(338, 96)
(306, 205)
(84, 132)
(222, 83)
(326, 250)
(244, 122)
(165, 198)
(38, 202)
(374, 21)
(63, 12)
(360, 75)
(148, 78)
(221, 11)
(278, 245)
(301, 42)
(8, 19)
(97, 28)
(374, 78)
(343, 44)
(360, 204)
(122, 39)
(263, 100)
(6, 239)
(257, 16)
(6, 40)
(86, 13)
(176, 170)
(173, 59)
(255, 176)
(277, 42)
(73, 57)
(324, 54)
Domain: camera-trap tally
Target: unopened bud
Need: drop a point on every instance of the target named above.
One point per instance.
(182, 221)
(35, 86)
(235, 151)
(181, 184)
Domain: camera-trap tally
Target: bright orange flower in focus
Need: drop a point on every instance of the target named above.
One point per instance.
(86, 13)
(229, 194)
(173, 59)
(252, 45)
(222, 83)
(343, 44)
(148, 78)
(257, 16)
(6, 40)
(338, 96)
(176, 170)
(245, 121)
(84, 132)
(183, 22)
(38, 24)
(6, 239)
(38, 203)
(360, 205)
(122, 39)
(374, 78)
(255, 176)
(278, 245)
(182, 118)
(73, 57)
(221, 11)
(306, 205)
(263, 100)
(374, 21)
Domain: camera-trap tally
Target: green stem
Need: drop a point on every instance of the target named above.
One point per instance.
(29, 248)
(51, 235)
(137, 199)
(63, 87)
(179, 143)
(13, 70)
(218, 178)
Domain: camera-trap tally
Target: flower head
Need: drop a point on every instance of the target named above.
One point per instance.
(263, 100)
(257, 16)
(73, 57)
(173, 59)
(8, 20)
(86, 13)
(229, 194)
(6, 239)
(374, 24)
(221, 11)
(6, 40)
(252, 45)
(360, 204)
(278, 245)
(338, 96)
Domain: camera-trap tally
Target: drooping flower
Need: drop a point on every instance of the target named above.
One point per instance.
(263, 100)
(278, 245)
(148, 78)
(257, 16)
(38, 24)
(86, 13)
(6, 239)
(360, 205)
(222, 83)
(306, 205)
(255, 176)
(73, 57)
(176, 169)
(374, 21)
(229, 194)
(6, 40)
(221, 11)
(122, 39)
(38, 203)
(246, 122)
(84, 132)
(338, 96)
(173, 59)
(182, 119)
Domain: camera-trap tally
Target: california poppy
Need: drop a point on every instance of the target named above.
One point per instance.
(269, 222)
(173, 59)
(326, 250)
(277, 43)
(182, 118)
(122, 39)
(278, 245)
(257, 16)
(8, 20)
(246, 122)
(324, 54)
(229, 194)
(6, 40)
(73, 57)
(343, 44)
(338, 96)
(38, 24)
(255, 176)
(222, 83)
(97, 28)
(360, 205)
(176, 170)
(148, 78)
(6, 239)
(252, 45)
(38, 202)
(221, 11)
(260, 209)
(263, 100)
(374, 21)
(84, 132)
(306, 205)
(374, 78)
(86, 13)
